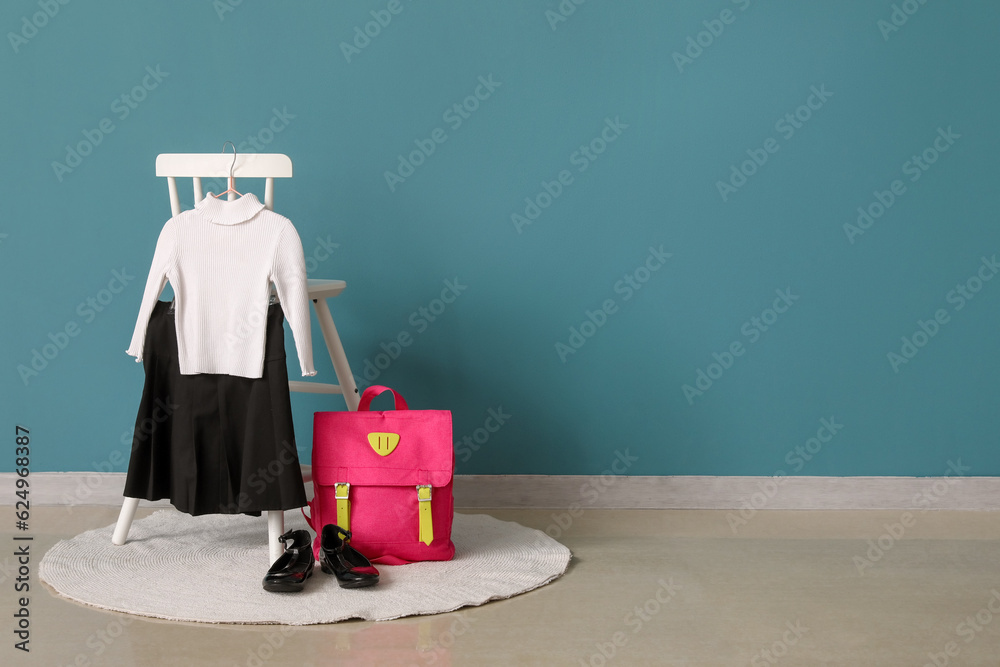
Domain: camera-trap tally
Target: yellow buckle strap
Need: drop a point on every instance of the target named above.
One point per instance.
(426, 522)
(341, 493)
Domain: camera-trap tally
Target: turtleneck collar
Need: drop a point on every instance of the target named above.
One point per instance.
(222, 212)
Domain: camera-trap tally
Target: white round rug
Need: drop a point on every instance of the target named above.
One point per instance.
(209, 569)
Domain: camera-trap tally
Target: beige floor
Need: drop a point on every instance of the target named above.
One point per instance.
(646, 587)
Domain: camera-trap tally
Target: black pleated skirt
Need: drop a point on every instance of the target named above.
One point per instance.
(214, 444)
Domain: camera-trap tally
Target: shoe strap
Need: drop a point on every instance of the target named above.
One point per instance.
(340, 531)
(284, 539)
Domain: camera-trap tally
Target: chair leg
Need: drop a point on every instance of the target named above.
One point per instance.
(275, 528)
(124, 521)
(340, 366)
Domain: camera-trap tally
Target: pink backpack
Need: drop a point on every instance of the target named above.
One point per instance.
(387, 477)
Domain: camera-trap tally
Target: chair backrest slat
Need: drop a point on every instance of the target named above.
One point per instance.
(217, 165)
(196, 183)
(269, 193)
(248, 165)
(175, 201)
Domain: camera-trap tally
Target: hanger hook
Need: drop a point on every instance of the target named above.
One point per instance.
(233, 165)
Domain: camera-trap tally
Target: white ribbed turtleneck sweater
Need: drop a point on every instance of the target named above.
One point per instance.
(221, 258)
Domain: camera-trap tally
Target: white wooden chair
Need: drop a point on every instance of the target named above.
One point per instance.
(268, 166)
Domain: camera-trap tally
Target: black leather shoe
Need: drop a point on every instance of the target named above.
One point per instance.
(288, 574)
(338, 557)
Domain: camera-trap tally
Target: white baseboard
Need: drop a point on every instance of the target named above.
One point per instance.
(620, 492)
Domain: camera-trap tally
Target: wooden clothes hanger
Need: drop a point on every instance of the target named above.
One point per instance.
(232, 180)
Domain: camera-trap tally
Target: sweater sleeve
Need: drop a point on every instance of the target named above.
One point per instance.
(289, 277)
(163, 259)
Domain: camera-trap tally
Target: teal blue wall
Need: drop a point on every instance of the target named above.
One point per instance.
(886, 82)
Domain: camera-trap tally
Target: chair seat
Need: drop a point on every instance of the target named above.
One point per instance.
(319, 288)
(324, 289)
